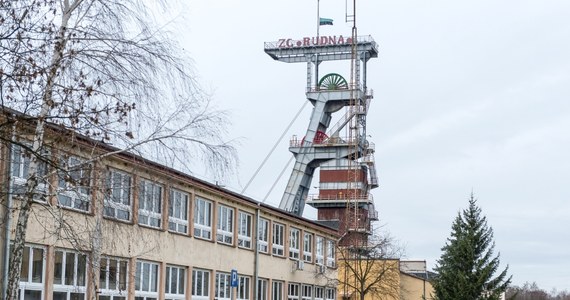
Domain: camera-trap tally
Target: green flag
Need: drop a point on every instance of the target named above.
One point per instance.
(325, 21)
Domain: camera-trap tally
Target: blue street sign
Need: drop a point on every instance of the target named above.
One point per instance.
(234, 281)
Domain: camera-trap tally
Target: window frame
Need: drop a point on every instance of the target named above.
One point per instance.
(22, 167)
(72, 188)
(178, 218)
(225, 225)
(330, 254)
(307, 292)
(262, 289)
(180, 293)
(330, 294)
(320, 250)
(308, 247)
(203, 220)
(106, 291)
(76, 287)
(245, 233)
(278, 239)
(113, 297)
(319, 291)
(150, 203)
(124, 203)
(222, 286)
(263, 235)
(294, 243)
(243, 290)
(153, 281)
(203, 284)
(293, 291)
(30, 285)
(277, 290)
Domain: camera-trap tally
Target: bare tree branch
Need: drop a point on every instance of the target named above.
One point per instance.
(371, 268)
(99, 70)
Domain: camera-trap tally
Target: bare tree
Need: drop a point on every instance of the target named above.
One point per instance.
(101, 71)
(371, 268)
(531, 291)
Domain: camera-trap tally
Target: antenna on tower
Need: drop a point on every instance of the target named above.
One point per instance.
(353, 130)
(349, 15)
(318, 18)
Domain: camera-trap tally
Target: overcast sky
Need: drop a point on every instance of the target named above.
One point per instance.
(468, 95)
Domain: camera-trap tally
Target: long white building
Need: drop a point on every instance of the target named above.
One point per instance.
(164, 234)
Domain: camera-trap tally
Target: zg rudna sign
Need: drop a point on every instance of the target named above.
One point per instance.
(314, 41)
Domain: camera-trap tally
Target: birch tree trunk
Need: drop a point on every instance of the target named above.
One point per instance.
(32, 180)
(97, 234)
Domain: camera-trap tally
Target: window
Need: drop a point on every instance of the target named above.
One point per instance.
(225, 229)
(118, 195)
(261, 289)
(175, 283)
(32, 273)
(146, 281)
(29, 295)
(263, 235)
(294, 245)
(69, 275)
(222, 286)
(103, 297)
(200, 284)
(307, 292)
(150, 203)
(319, 293)
(113, 278)
(330, 254)
(342, 185)
(243, 289)
(320, 255)
(203, 218)
(244, 230)
(277, 290)
(293, 291)
(330, 294)
(74, 182)
(278, 239)
(178, 211)
(20, 170)
(308, 247)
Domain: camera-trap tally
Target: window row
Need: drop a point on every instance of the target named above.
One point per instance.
(296, 291)
(74, 181)
(307, 243)
(74, 184)
(70, 281)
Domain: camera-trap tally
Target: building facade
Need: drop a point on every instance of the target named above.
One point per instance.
(416, 280)
(389, 279)
(122, 227)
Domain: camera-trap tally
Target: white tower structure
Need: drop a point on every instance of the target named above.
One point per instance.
(329, 94)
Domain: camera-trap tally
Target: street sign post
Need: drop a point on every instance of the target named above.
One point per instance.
(234, 280)
(233, 283)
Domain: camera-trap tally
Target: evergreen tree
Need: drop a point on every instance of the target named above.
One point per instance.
(467, 266)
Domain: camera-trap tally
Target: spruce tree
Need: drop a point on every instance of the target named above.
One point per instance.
(467, 267)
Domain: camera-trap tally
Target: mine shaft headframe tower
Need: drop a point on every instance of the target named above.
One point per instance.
(328, 94)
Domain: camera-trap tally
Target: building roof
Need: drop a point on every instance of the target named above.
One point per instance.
(200, 183)
(427, 275)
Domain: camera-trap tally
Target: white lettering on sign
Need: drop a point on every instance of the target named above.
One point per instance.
(314, 41)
